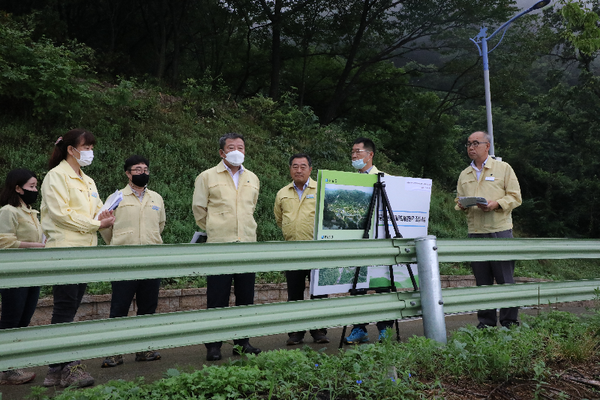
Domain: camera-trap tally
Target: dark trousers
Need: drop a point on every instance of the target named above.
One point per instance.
(296, 283)
(218, 288)
(18, 306)
(146, 296)
(67, 299)
(503, 272)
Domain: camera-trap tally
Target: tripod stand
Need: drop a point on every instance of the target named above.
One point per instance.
(379, 201)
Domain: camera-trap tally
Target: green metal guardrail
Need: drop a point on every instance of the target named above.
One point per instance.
(41, 345)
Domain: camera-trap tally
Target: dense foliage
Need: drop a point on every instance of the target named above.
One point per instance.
(166, 79)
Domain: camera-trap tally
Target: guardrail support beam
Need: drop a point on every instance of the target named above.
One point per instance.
(432, 304)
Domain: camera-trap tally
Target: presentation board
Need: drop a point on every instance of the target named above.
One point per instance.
(343, 200)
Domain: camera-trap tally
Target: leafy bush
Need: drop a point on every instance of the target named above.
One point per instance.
(39, 77)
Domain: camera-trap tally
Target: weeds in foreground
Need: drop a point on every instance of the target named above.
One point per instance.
(416, 369)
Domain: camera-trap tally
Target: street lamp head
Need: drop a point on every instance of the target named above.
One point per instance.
(540, 4)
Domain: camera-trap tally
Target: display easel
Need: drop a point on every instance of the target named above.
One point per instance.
(380, 200)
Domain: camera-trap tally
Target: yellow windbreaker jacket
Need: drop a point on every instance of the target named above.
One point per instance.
(19, 224)
(497, 182)
(69, 205)
(296, 217)
(137, 222)
(224, 212)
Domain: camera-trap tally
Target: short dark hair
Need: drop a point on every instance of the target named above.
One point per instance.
(16, 177)
(135, 160)
(367, 144)
(231, 135)
(73, 138)
(301, 155)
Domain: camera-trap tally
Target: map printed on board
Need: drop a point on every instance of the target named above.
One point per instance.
(343, 200)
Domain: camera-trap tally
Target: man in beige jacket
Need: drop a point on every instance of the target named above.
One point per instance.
(496, 182)
(225, 198)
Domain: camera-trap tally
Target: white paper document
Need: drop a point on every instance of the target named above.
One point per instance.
(111, 203)
(472, 201)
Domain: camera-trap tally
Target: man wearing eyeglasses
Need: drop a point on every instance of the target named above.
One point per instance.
(139, 219)
(496, 182)
(294, 211)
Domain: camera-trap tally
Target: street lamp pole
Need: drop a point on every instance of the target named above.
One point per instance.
(481, 42)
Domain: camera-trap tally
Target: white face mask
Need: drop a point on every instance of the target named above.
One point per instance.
(85, 157)
(235, 158)
(359, 164)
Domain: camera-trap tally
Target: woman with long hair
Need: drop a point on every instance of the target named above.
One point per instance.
(70, 203)
(19, 228)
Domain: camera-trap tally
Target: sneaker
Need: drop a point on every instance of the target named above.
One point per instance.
(53, 376)
(383, 335)
(147, 355)
(481, 325)
(112, 361)
(16, 377)
(357, 336)
(74, 374)
(295, 338)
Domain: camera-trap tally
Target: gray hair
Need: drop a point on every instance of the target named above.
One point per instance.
(486, 135)
(230, 135)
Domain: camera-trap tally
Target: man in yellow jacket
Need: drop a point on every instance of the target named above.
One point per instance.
(139, 219)
(497, 183)
(294, 211)
(224, 201)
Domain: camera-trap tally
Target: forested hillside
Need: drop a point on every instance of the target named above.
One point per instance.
(166, 78)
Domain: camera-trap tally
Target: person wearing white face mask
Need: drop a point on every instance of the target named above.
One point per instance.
(363, 152)
(70, 202)
(224, 201)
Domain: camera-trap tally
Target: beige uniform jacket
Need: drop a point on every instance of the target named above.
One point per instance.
(137, 222)
(497, 182)
(296, 217)
(224, 212)
(19, 224)
(69, 205)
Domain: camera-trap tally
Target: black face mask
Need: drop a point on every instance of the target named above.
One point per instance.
(29, 196)
(140, 180)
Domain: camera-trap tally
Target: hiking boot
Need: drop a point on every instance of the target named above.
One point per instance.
(147, 355)
(74, 374)
(16, 377)
(53, 376)
(357, 336)
(295, 338)
(112, 361)
(320, 336)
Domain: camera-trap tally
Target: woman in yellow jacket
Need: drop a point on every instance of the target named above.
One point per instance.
(19, 228)
(70, 203)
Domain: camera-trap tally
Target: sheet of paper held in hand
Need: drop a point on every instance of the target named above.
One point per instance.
(111, 203)
(472, 201)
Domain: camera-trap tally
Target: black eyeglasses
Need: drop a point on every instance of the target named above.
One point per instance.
(475, 144)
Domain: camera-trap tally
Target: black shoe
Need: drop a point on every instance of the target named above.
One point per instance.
(295, 338)
(483, 326)
(246, 348)
(320, 336)
(509, 324)
(213, 354)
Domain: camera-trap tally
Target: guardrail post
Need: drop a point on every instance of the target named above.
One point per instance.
(432, 304)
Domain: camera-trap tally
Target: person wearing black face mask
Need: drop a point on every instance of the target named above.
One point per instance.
(139, 219)
(19, 228)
